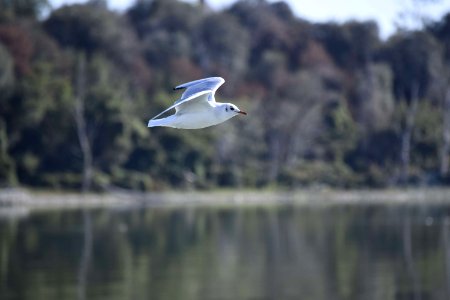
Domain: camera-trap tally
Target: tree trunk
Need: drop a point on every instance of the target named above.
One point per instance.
(444, 167)
(274, 160)
(405, 148)
(85, 145)
(81, 123)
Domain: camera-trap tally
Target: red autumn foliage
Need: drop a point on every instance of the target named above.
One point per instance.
(19, 45)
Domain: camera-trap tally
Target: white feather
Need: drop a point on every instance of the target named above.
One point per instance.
(197, 107)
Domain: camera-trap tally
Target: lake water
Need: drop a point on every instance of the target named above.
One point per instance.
(256, 253)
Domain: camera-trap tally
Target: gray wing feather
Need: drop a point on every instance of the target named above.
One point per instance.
(182, 101)
(210, 84)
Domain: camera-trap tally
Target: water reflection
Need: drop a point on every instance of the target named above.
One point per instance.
(284, 252)
(85, 255)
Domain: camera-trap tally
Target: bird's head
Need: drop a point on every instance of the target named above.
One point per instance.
(233, 110)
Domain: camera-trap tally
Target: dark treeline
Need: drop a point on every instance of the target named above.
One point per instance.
(329, 104)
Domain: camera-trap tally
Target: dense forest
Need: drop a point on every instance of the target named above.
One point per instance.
(329, 104)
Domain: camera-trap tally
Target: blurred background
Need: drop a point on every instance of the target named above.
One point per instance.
(332, 103)
(341, 95)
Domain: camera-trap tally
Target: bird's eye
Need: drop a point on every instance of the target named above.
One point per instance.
(231, 108)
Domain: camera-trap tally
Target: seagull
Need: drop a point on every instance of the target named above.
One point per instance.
(197, 107)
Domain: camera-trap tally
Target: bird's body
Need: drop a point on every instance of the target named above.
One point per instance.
(192, 120)
(197, 107)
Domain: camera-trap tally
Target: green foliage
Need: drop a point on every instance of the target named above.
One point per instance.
(341, 132)
(316, 173)
(7, 164)
(6, 71)
(413, 57)
(328, 103)
(339, 40)
(427, 137)
(22, 8)
(218, 34)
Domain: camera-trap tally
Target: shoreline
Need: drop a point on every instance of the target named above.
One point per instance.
(41, 200)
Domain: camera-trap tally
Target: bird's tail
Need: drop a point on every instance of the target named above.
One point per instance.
(153, 123)
(158, 122)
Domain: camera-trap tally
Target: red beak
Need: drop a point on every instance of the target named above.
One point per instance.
(242, 112)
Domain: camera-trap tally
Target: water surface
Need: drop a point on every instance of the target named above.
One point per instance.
(257, 252)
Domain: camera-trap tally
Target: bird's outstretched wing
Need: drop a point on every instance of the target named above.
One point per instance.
(194, 92)
(191, 98)
(210, 84)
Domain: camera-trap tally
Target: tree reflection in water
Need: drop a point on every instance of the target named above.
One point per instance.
(85, 255)
(272, 252)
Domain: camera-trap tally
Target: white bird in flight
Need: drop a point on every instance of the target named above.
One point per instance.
(197, 107)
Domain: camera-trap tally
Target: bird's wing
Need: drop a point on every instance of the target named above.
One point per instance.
(197, 97)
(210, 84)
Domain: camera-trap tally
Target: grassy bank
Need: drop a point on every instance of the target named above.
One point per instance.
(10, 198)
